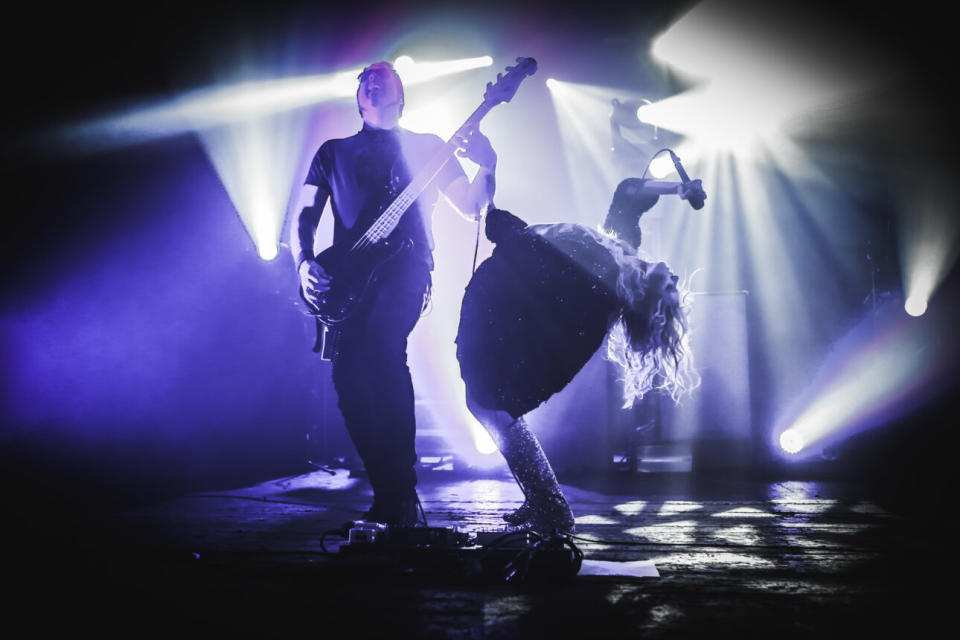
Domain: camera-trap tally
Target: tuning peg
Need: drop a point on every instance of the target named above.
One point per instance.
(530, 63)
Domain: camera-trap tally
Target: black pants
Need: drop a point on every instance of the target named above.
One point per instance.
(370, 374)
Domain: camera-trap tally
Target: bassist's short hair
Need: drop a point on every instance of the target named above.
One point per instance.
(382, 64)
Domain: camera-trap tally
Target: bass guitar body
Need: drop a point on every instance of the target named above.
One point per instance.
(352, 272)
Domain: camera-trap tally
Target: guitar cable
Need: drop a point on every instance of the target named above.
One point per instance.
(476, 245)
(650, 161)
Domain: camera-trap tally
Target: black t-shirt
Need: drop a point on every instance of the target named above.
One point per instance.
(363, 174)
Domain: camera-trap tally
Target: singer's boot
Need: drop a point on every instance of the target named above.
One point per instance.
(523, 513)
(548, 509)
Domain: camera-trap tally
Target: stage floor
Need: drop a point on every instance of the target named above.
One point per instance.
(735, 556)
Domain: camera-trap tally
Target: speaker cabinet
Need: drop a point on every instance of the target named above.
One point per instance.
(715, 421)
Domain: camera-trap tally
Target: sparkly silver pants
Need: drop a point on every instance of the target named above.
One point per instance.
(544, 500)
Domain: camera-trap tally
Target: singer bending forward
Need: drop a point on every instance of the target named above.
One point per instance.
(538, 309)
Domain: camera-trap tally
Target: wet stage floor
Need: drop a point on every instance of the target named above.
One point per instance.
(735, 557)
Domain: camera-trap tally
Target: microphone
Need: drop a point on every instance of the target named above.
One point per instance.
(694, 192)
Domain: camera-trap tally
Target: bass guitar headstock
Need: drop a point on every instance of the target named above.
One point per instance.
(506, 86)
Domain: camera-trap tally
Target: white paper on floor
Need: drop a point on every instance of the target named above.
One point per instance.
(633, 568)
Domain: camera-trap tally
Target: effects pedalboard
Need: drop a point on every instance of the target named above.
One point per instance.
(508, 554)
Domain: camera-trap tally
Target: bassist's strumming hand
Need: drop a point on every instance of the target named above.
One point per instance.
(313, 280)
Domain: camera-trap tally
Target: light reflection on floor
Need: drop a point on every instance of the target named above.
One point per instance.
(782, 505)
(729, 533)
(794, 587)
(338, 480)
(504, 609)
(631, 508)
(723, 559)
(678, 506)
(744, 512)
(595, 519)
(870, 509)
(663, 614)
(744, 535)
(792, 490)
(827, 527)
(667, 533)
(490, 491)
(807, 542)
(793, 514)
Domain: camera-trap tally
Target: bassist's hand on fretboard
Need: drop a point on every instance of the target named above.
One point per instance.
(476, 147)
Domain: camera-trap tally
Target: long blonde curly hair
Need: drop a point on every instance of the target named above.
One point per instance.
(649, 340)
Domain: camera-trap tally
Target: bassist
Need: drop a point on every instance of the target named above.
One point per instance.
(360, 175)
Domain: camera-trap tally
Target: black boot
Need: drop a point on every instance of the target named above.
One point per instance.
(523, 513)
(547, 509)
(395, 511)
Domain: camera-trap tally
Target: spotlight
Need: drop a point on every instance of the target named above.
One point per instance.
(594, 149)
(929, 243)
(915, 306)
(412, 72)
(884, 367)
(791, 441)
(267, 252)
(744, 98)
(403, 64)
(483, 442)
